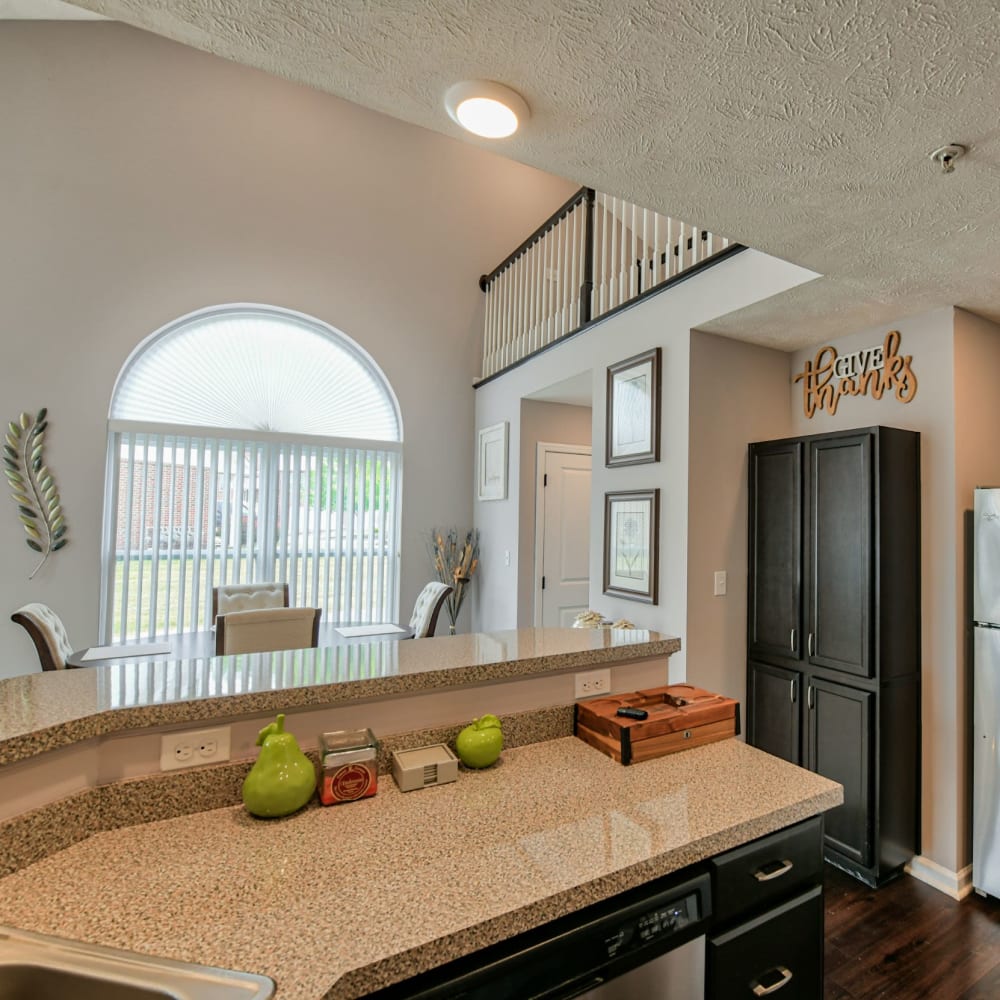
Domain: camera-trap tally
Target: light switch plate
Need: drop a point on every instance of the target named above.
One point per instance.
(720, 583)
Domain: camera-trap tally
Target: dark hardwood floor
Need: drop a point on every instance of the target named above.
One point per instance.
(907, 941)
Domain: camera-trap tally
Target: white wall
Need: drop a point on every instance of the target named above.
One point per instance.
(142, 180)
(739, 394)
(930, 340)
(665, 320)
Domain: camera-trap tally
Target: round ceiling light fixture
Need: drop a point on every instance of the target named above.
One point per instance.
(485, 108)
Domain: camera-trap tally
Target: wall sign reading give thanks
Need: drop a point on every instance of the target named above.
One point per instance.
(872, 371)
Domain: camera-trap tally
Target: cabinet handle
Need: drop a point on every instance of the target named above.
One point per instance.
(810, 644)
(809, 696)
(791, 641)
(791, 690)
(760, 990)
(766, 872)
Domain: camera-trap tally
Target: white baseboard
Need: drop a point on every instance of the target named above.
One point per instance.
(958, 884)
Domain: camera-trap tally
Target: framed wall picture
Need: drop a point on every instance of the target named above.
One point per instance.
(631, 544)
(633, 424)
(493, 462)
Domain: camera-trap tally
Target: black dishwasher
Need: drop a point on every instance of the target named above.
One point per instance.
(646, 943)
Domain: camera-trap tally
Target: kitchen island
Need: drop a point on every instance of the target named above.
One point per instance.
(337, 902)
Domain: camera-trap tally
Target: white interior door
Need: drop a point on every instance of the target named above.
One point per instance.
(562, 540)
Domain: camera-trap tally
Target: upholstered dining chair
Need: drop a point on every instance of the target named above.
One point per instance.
(266, 629)
(423, 621)
(47, 633)
(248, 597)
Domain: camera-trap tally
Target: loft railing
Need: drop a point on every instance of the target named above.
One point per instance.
(594, 255)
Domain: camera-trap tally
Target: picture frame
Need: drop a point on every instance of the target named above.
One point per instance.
(632, 433)
(631, 545)
(492, 465)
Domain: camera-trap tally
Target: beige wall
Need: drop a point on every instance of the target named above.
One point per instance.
(142, 180)
(552, 423)
(930, 340)
(977, 463)
(739, 394)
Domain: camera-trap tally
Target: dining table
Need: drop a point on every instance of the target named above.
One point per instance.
(199, 645)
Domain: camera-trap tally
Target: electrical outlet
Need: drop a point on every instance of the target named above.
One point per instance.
(593, 682)
(191, 748)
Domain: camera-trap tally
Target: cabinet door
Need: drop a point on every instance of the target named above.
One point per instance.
(840, 554)
(775, 585)
(839, 739)
(775, 711)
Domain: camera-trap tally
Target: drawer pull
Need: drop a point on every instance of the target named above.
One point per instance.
(784, 978)
(773, 869)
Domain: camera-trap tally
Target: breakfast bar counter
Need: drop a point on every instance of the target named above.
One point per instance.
(339, 901)
(46, 711)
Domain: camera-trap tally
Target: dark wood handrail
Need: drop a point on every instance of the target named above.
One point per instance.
(730, 251)
(556, 217)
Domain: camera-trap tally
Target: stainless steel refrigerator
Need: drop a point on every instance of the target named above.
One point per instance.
(986, 693)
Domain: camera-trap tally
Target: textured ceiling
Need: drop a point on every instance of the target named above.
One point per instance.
(798, 127)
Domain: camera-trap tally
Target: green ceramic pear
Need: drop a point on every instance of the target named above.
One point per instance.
(283, 779)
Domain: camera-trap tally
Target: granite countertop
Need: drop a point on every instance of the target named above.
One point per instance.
(335, 902)
(44, 711)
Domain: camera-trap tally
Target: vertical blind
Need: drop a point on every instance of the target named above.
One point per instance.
(192, 512)
(249, 443)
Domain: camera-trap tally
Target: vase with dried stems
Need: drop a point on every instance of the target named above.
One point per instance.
(455, 563)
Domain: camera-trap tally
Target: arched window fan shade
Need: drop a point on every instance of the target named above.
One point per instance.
(257, 370)
(249, 444)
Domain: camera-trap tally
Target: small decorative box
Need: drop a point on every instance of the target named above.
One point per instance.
(349, 766)
(671, 718)
(424, 766)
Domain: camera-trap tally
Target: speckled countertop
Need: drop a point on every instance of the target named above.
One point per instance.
(335, 902)
(43, 711)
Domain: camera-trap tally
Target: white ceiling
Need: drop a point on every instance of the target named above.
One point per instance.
(800, 128)
(578, 390)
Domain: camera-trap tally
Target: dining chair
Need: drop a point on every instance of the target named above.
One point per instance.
(47, 633)
(423, 621)
(248, 597)
(266, 629)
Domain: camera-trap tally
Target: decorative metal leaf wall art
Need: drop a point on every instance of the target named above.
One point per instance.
(32, 486)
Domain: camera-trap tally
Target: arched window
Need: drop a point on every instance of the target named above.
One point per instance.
(249, 443)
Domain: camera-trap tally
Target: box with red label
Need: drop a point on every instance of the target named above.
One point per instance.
(348, 766)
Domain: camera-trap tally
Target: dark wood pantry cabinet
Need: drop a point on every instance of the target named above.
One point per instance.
(833, 630)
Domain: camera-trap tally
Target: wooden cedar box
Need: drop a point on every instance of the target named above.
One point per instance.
(680, 716)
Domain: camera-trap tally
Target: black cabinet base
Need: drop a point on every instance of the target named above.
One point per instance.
(872, 878)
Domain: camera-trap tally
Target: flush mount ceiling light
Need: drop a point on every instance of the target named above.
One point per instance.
(486, 108)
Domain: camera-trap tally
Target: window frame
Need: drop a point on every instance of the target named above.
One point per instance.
(275, 444)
